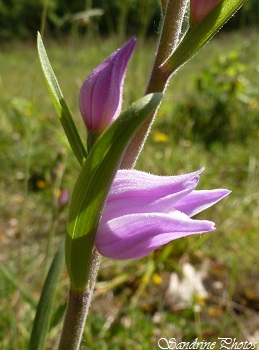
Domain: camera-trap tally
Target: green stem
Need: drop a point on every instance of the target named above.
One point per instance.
(74, 321)
(77, 310)
(169, 38)
(43, 17)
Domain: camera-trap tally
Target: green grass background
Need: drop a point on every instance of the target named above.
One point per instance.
(129, 309)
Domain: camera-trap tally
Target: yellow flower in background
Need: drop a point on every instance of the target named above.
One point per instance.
(159, 136)
(41, 183)
(157, 279)
(57, 193)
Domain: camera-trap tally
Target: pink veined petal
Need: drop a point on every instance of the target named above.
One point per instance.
(138, 192)
(197, 201)
(135, 236)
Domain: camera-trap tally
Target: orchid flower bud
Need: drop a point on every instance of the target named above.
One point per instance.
(199, 9)
(100, 96)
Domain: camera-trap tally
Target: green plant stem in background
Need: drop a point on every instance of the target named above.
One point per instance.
(44, 16)
(169, 38)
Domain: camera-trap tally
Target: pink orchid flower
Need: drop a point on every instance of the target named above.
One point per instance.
(145, 211)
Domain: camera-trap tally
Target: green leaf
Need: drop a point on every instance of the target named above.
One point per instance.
(197, 36)
(60, 104)
(93, 185)
(44, 310)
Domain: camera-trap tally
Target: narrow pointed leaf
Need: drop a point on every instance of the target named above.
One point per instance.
(197, 36)
(60, 104)
(93, 184)
(44, 310)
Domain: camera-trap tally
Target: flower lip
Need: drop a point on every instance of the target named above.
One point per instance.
(100, 97)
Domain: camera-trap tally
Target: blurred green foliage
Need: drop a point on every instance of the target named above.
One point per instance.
(222, 108)
(23, 18)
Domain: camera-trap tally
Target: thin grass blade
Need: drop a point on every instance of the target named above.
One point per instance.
(44, 310)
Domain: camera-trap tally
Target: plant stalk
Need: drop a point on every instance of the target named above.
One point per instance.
(77, 310)
(169, 38)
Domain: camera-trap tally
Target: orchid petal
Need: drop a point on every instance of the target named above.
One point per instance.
(139, 192)
(135, 236)
(198, 201)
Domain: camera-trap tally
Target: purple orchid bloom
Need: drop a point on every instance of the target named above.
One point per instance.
(145, 211)
(100, 96)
